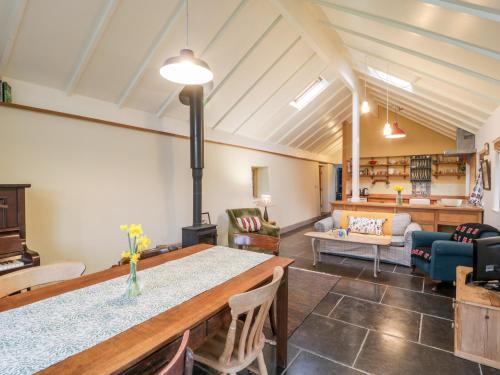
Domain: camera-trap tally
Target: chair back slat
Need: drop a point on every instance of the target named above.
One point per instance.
(247, 303)
(244, 335)
(244, 240)
(35, 276)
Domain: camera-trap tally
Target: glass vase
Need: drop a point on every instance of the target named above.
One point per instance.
(133, 286)
(399, 199)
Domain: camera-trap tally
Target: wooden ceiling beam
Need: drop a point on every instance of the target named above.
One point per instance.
(345, 113)
(307, 20)
(412, 29)
(106, 15)
(12, 30)
(475, 10)
(329, 112)
(295, 113)
(409, 51)
(474, 128)
(152, 52)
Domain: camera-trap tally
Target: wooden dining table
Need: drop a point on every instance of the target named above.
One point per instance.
(147, 346)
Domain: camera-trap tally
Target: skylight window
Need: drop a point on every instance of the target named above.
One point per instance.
(390, 79)
(309, 93)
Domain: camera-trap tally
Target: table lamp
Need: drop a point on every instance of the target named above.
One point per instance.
(265, 201)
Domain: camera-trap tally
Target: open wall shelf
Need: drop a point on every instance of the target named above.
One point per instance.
(387, 168)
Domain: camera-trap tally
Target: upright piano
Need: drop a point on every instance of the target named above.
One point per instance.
(14, 254)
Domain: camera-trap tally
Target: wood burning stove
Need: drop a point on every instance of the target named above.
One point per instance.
(197, 233)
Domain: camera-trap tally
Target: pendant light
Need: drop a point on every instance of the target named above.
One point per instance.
(396, 131)
(186, 69)
(365, 107)
(387, 126)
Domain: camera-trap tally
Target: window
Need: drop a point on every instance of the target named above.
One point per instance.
(309, 93)
(390, 79)
(260, 181)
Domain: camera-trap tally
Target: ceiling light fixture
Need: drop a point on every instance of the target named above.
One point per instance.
(387, 126)
(365, 107)
(186, 69)
(396, 131)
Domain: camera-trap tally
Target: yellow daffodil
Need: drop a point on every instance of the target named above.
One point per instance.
(134, 258)
(124, 227)
(142, 243)
(126, 254)
(398, 188)
(135, 230)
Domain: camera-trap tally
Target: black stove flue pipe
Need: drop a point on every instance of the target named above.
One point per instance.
(192, 96)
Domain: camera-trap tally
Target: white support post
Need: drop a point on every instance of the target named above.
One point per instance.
(355, 147)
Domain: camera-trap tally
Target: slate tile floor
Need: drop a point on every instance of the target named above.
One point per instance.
(390, 325)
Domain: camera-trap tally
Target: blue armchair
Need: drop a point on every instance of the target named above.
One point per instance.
(446, 255)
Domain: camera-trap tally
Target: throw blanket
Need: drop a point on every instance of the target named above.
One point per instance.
(463, 233)
(471, 231)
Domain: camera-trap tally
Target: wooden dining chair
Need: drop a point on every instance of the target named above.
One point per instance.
(270, 243)
(235, 349)
(26, 279)
(249, 240)
(182, 363)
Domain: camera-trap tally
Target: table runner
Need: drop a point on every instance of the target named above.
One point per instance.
(37, 335)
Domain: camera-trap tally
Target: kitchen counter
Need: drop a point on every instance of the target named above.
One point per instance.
(434, 217)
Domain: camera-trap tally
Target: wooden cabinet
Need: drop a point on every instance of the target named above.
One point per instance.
(477, 322)
(431, 218)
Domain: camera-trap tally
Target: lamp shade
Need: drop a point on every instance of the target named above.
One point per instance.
(396, 132)
(266, 199)
(365, 107)
(186, 69)
(387, 129)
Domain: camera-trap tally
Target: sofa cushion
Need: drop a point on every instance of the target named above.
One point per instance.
(399, 223)
(336, 216)
(249, 223)
(366, 225)
(398, 241)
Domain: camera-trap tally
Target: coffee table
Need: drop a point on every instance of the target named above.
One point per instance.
(366, 239)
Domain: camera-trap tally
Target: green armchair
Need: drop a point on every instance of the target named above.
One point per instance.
(233, 227)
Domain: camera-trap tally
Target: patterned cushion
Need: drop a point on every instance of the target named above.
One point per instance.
(249, 223)
(366, 225)
(423, 252)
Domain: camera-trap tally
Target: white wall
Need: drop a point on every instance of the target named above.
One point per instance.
(87, 179)
(490, 132)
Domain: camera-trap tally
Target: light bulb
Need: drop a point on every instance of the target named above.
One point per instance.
(387, 129)
(365, 107)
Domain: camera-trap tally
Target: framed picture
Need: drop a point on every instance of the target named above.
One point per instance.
(485, 168)
(205, 218)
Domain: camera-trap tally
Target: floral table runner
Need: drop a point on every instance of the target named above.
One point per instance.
(37, 335)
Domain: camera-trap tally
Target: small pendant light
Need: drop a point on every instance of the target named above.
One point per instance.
(387, 126)
(365, 107)
(186, 69)
(396, 131)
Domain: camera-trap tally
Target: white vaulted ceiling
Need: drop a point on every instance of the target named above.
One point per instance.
(112, 50)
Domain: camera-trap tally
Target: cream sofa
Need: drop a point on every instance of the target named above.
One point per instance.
(398, 252)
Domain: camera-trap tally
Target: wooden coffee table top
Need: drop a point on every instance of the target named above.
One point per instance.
(369, 239)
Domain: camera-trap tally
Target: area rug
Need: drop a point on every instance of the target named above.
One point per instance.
(305, 290)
